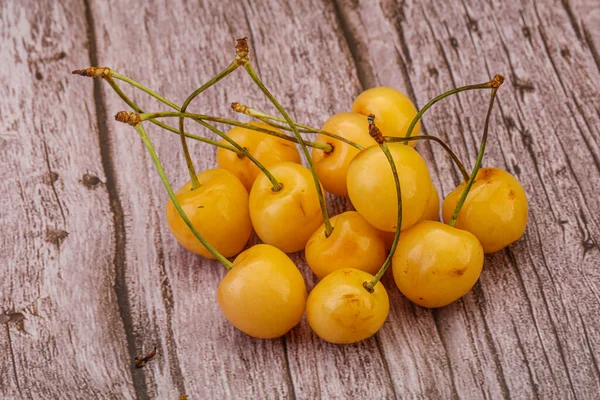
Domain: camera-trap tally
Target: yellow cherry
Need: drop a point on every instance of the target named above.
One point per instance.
(432, 213)
(340, 310)
(392, 109)
(218, 209)
(332, 167)
(372, 190)
(264, 294)
(265, 148)
(435, 264)
(352, 244)
(285, 219)
(432, 209)
(495, 209)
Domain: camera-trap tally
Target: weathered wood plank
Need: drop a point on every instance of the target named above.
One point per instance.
(60, 331)
(513, 336)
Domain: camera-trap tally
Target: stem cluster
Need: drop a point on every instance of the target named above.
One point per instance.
(138, 116)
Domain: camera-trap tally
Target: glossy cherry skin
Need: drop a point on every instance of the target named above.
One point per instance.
(435, 264)
(495, 210)
(332, 167)
(352, 244)
(265, 148)
(264, 294)
(218, 209)
(432, 213)
(393, 111)
(372, 189)
(340, 310)
(432, 209)
(285, 219)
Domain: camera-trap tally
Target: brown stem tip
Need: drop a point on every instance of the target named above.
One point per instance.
(128, 117)
(240, 108)
(497, 81)
(374, 130)
(94, 72)
(241, 51)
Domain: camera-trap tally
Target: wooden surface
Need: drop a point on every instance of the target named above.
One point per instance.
(90, 276)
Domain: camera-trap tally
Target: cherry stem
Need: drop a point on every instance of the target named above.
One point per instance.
(487, 85)
(384, 147)
(268, 119)
(201, 117)
(143, 88)
(453, 155)
(188, 159)
(471, 180)
(326, 147)
(277, 186)
(137, 109)
(140, 129)
(256, 79)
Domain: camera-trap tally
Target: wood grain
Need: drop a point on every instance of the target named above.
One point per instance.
(60, 331)
(93, 277)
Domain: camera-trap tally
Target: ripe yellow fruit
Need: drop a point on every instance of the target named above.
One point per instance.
(495, 210)
(392, 109)
(435, 264)
(285, 219)
(267, 149)
(264, 294)
(352, 244)
(218, 209)
(332, 167)
(372, 189)
(340, 310)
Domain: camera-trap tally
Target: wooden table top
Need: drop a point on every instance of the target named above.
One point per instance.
(90, 276)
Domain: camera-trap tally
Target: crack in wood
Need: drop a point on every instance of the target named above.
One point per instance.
(522, 350)
(590, 42)
(365, 77)
(168, 300)
(436, 322)
(119, 260)
(52, 181)
(570, 15)
(13, 360)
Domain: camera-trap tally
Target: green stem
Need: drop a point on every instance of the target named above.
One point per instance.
(198, 117)
(137, 109)
(471, 180)
(453, 155)
(487, 85)
(188, 159)
(277, 186)
(140, 129)
(371, 285)
(268, 119)
(143, 88)
(256, 79)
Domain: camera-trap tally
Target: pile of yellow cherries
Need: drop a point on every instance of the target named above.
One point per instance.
(366, 154)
